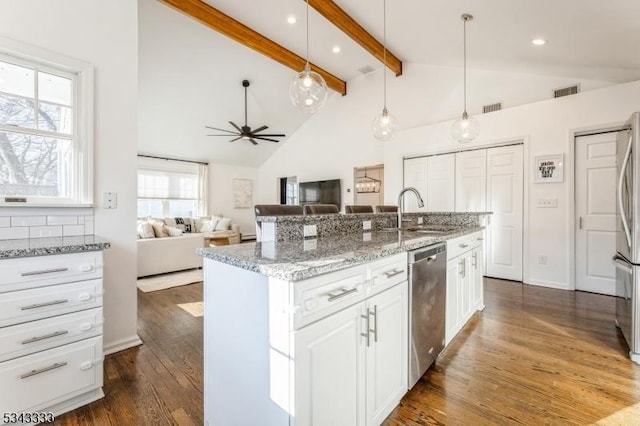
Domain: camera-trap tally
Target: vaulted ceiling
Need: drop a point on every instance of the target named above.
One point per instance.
(587, 39)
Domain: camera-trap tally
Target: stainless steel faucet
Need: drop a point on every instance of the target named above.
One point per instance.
(420, 202)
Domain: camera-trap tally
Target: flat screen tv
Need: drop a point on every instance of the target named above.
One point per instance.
(320, 192)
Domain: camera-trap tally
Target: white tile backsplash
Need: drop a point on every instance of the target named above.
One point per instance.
(34, 222)
(28, 221)
(45, 231)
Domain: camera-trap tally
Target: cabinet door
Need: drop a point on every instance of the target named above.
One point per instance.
(441, 178)
(415, 175)
(465, 289)
(451, 316)
(330, 370)
(477, 278)
(471, 181)
(387, 352)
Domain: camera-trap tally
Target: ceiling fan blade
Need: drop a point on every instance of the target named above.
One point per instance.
(232, 134)
(272, 135)
(233, 140)
(266, 139)
(252, 141)
(234, 125)
(222, 130)
(259, 129)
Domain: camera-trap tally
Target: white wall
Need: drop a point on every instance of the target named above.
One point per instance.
(103, 33)
(338, 137)
(221, 178)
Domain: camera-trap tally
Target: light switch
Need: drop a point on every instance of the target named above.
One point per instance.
(547, 203)
(366, 225)
(110, 200)
(310, 230)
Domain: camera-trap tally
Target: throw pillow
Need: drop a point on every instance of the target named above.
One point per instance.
(223, 224)
(207, 226)
(174, 232)
(145, 230)
(159, 228)
(186, 224)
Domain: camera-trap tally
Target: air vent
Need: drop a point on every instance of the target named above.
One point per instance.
(492, 107)
(566, 91)
(366, 69)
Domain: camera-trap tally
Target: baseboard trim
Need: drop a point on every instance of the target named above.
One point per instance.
(549, 284)
(122, 344)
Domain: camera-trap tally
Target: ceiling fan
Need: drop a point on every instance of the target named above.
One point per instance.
(245, 132)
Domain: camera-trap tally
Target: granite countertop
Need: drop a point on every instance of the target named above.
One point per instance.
(305, 218)
(10, 249)
(296, 260)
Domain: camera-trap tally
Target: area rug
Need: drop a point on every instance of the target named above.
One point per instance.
(174, 279)
(196, 308)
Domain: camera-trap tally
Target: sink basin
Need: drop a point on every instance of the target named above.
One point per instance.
(431, 229)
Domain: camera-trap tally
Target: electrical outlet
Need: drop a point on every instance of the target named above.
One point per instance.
(366, 225)
(547, 203)
(420, 220)
(310, 244)
(366, 236)
(110, 200)
(542, 259)
(310, 230)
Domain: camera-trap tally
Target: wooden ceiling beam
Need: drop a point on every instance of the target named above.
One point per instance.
(338, 17)
(224, 24)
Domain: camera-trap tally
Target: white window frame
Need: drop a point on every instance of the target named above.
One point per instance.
(83, 109)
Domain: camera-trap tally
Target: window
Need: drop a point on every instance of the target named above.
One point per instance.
(171, 189)
(45, 128)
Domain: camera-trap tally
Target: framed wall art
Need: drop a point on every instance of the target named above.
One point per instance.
(242, 193)
(549, 168)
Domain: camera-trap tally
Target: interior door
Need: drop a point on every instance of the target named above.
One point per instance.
(504, 198)
(441, 177)
(471, 181)
(595, 192)
(415, 175)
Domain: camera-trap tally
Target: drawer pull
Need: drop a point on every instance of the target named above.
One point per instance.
(393, 273)
(46, 271)
(46, 336)
(480, 239)
(84, 297)
(42, 305)
(86, 268)
(43, 370)
(85, 327)
(464, 245)
(334, 295)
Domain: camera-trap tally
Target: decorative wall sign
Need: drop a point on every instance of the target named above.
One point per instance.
(549, 168)
(242, 193)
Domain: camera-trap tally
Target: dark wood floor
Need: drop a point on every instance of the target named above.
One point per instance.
(534, 356)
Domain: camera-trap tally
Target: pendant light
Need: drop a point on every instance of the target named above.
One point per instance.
(308, 90)
(465, 129)
(384, 124)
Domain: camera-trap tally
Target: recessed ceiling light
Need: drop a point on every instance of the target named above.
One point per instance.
(336, 49)
(291, 19)
(539, 41)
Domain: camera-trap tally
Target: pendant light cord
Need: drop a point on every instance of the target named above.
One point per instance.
(245, 106)
(384, 50)
(307, 53)
(465, 63)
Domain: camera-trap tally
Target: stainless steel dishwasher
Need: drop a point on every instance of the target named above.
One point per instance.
(427, 292)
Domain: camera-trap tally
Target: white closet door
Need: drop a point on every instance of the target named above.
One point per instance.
(471, 181)
(415, 174)
(596, 213)
(441, 186)
(504, 199)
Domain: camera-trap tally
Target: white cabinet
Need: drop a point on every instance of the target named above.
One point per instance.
(464, 282)
(51, 352)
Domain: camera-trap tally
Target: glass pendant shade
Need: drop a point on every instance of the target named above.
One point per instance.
(384, 126)
(465, 129)
(308, 91)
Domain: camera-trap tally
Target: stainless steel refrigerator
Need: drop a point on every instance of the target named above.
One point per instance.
(627, 257)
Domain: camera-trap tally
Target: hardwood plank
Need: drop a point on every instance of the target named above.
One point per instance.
(224, 24)
(345, 23)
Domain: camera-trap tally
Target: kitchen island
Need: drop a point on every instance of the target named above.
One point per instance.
(315, 331)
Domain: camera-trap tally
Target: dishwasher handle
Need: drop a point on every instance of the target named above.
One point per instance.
(429, 253)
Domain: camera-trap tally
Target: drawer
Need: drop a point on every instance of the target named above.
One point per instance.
(24, 339)
(387, 272)
(459, 245)
(29, 305)
(36, 382)
(40, 271)
(321, 296)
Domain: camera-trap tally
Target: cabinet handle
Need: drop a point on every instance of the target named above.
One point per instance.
(42, 305)
(46, 271)
(374, 314)
(366, 318)
(464, 245)
(393, 273)
(335, 295)
(43, 370)
(46, 336)
(480, 238)
(475, 260)
(463, 267)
